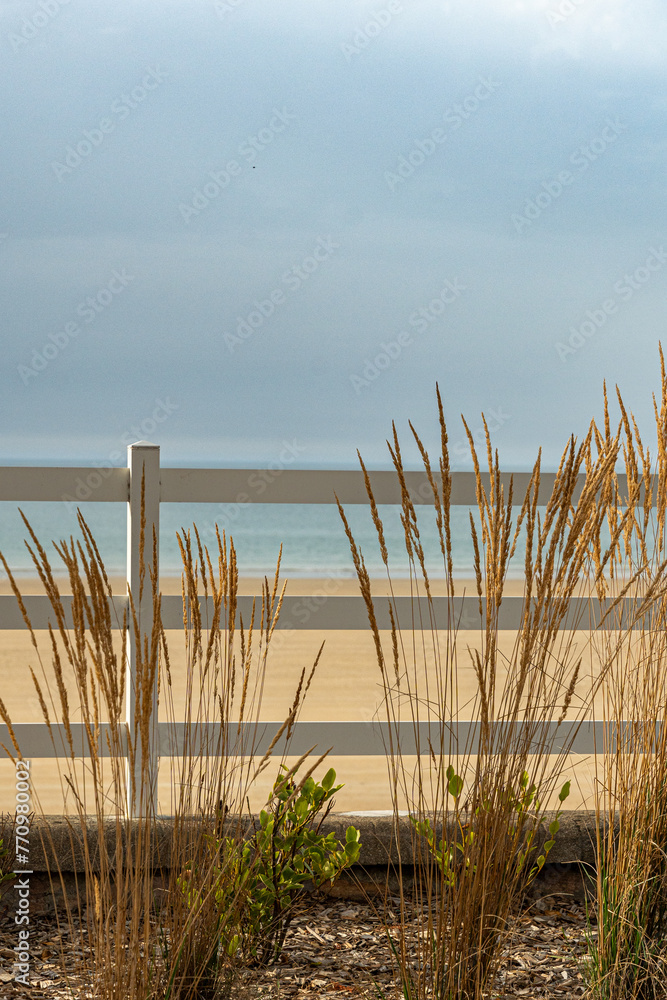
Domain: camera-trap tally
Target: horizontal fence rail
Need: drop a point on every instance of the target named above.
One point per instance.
(360, 739)
(49, 483)
(169, 485)
(345, 613)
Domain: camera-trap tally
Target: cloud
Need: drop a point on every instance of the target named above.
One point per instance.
(602, 32)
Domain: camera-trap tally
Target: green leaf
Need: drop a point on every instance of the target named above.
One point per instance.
(549, 844)
(554, 827)
(455, 785)
(564, 792)
(422, 827)
(328, 779)
(352, 851)
(301, 809)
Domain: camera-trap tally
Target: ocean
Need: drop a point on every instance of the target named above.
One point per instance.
(312, 536)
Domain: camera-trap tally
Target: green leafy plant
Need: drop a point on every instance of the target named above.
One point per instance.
(263, 878)
(527, 809)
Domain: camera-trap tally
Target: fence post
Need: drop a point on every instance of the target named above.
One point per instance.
(143, 459)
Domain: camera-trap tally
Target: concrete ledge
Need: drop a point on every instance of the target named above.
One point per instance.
(57, 841)
(575, 841)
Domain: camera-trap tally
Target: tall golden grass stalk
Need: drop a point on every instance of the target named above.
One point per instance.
(135, 949)
(628, 949)
(486, 802)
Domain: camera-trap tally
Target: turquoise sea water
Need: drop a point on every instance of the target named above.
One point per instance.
(312, 536)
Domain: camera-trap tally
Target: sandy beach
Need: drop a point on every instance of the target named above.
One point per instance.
(346, 687)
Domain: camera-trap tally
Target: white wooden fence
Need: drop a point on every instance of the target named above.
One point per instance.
(165, 485)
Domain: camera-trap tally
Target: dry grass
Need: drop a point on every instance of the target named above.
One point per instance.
(487, 800)
(478, 804)
(628, 954)
(135, 952)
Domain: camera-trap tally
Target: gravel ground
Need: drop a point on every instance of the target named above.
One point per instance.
(335, 949)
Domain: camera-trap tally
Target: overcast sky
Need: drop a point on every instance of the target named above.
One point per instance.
(226, 226)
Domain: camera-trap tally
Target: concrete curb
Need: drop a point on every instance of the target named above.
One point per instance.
(57, 841)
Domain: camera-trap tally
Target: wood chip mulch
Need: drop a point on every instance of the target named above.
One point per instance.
(336, 949)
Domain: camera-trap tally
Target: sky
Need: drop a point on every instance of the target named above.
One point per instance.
(248, 228)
